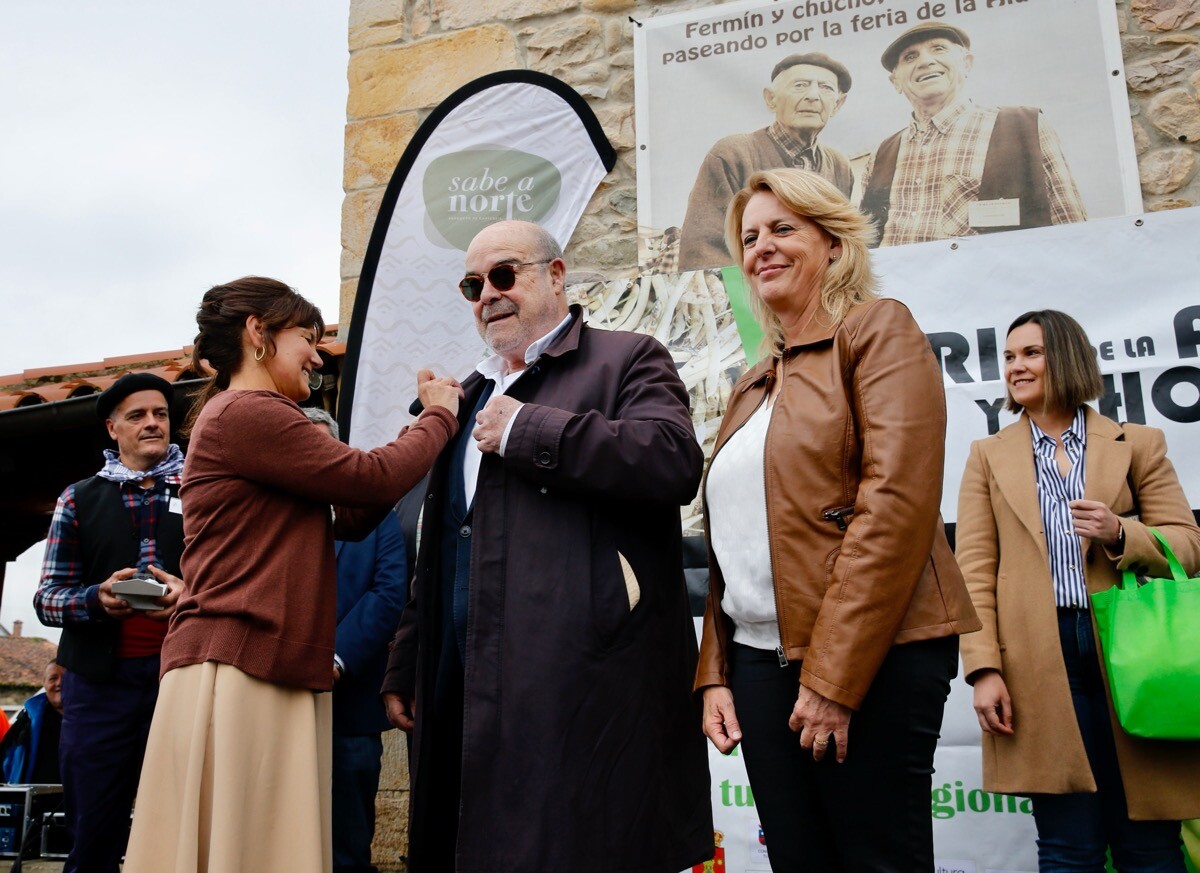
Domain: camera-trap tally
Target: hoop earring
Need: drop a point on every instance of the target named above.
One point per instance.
(260, 353)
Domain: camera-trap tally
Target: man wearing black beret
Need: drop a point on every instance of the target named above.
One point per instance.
(960, 169)
(806, 91)
(126, 519)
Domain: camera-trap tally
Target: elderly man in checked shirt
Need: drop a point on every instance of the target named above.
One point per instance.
(125, 519)
(959, 169)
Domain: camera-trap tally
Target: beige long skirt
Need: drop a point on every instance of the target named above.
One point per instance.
(236, 777)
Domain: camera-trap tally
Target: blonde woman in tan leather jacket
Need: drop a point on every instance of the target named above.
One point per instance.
(830, 637)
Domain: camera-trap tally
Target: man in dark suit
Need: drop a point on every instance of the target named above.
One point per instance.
(372, 587)
(544, 662)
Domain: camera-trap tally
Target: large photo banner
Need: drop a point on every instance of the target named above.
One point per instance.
(514, 144)
(1029, 124)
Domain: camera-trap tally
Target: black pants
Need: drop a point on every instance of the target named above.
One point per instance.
(104, 731)
(1076, 830)
(871, 813)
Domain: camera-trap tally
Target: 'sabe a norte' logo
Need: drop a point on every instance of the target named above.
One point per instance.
(469, 190)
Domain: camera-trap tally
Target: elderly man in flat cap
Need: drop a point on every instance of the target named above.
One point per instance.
(806, 91)
(126, 519)
(959, 169)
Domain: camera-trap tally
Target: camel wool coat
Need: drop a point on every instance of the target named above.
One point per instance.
(1002, 553)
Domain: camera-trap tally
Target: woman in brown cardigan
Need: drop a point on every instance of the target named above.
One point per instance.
(237, 769)
(1046, 517)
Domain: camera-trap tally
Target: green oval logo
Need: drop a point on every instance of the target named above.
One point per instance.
(469, 190)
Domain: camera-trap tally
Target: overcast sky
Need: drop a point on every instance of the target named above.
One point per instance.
(150, 150)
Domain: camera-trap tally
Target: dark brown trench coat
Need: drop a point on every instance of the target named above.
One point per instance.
(582, 748)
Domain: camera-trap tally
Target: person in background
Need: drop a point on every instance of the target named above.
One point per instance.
(959, 169)
(125, 519)
(805, 92)
(1052, 508)
(29, 751)
(831, 630)
(543, 662)
(372, 588)
(238, 763)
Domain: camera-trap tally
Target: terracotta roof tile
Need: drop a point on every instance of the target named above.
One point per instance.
(50, 384)
(23, 660)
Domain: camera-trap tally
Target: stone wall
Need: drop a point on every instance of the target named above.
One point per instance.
(407, 55)
(1160, 39)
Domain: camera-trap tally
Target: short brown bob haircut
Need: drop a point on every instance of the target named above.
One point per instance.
(1072, 374)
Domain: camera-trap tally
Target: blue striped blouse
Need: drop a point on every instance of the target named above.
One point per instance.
(1055, 492)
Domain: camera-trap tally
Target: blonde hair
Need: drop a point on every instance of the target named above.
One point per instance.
(847, 281)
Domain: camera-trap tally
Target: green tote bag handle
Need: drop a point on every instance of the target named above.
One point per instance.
(1129, 579)
(1150, 641)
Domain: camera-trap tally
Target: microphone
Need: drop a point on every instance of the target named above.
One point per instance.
(416, 408)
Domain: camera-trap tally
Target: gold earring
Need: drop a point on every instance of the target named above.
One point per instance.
(260, 353)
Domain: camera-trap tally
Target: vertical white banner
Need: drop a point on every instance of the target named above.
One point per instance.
(509, 145)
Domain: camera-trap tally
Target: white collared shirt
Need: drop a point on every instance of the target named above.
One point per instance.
(495, 369)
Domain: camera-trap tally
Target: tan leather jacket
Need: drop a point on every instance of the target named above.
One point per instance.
(853, 459)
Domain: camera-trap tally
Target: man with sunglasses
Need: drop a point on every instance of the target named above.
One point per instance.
(544, 662)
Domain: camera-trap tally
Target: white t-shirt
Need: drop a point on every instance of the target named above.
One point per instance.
(736, 495)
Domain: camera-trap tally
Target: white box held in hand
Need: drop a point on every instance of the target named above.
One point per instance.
(141, 591)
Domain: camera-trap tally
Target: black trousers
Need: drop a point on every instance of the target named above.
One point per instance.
(871, 813)
(104, 731)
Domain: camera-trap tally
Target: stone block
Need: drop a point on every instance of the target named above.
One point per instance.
(622, 87)
(394, 775)
(612, 256)
(453, 14)
(623, 201)
(1165, 171)
(617, 123)
(346, 295)
(359, 209)
(564, 44)
(375, 22)
(1164, 15)
(387, 80)
(1141, 139)
(623, 59)
(422, 20)
(1176, 112)
(373, 147)
(618, 36)
(389, 851)
(1169, 68)
(588, 74)
(1171, 203)
(608, 5)
(1178, 39)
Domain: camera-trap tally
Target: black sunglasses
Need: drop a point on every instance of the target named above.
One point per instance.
(502, 277)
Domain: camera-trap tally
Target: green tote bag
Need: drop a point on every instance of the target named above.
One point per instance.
(1150, 637)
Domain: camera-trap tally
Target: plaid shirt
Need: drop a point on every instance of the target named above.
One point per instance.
(940, 167)
(61, 598)
(802, 157)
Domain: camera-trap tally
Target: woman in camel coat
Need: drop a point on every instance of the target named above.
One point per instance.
(1040, 692)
